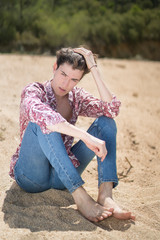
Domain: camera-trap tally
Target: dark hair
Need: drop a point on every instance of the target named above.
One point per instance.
(67, 55)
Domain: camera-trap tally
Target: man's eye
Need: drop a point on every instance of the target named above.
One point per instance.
(63, 74)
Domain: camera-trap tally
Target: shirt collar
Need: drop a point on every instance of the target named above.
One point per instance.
(50, 93)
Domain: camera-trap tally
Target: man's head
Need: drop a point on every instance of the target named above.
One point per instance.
(67, 55)
(68, 71)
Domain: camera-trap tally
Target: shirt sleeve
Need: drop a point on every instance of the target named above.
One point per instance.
(34, 108)
(94, 107)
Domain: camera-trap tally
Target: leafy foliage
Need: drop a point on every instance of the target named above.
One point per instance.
(102, 25)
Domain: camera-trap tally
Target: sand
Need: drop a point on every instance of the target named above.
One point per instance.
(52, 214)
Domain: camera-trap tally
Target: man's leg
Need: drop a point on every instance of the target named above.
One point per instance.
(103, 128)
(40, 155)
(32, 170)
(107, 173)
(44, 163)
(69, 176)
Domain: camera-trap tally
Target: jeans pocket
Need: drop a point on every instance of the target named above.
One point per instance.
(27, 184)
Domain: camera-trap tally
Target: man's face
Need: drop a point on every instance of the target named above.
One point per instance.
(65, 78)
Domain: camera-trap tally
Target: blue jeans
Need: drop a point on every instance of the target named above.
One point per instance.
(43, 162)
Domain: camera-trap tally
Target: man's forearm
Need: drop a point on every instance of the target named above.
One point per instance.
(93, 143)
(69, 129)
(104, 92)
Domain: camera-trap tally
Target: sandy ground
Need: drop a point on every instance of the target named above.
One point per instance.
(52, 214)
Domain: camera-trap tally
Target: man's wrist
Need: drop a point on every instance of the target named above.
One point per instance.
(94, 65)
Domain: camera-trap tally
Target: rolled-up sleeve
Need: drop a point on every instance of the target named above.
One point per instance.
(94, 107)
(35, 109)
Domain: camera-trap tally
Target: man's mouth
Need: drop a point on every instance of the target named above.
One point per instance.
(63, 90)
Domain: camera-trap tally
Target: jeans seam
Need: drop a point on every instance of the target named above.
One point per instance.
(68, 177)
(100, 175)
(76, 186)
(115, 181)
(19, 178)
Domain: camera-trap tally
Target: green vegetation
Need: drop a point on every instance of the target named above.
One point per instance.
(113, 28)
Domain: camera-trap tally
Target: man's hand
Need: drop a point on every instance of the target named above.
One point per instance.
(104, 92)
(88, 55)
(96, 145)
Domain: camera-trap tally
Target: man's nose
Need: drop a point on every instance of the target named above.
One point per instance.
(66, 81)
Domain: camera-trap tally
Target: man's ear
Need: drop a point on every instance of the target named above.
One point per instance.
(54, 67)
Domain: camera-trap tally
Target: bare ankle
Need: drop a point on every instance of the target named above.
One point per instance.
(88, 207)
(105, 191)
(78, 194)
(81, 197)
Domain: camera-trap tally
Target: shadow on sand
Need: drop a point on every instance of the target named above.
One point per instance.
(52, 210)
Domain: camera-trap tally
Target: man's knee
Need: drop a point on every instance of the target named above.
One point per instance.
(108, 123)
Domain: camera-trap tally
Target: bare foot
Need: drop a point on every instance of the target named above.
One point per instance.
(117, 212)
(89, 208)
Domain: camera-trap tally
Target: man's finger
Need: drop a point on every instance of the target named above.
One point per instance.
(102, 159)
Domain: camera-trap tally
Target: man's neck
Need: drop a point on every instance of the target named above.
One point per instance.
(61, 98)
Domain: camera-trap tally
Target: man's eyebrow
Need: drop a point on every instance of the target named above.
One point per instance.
(75, 79)
(63, 72)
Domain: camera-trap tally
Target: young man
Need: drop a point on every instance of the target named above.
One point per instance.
(46, 158)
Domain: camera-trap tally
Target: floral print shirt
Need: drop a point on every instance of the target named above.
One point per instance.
(38, 105)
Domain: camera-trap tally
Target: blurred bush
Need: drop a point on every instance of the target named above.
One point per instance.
(112, 28)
